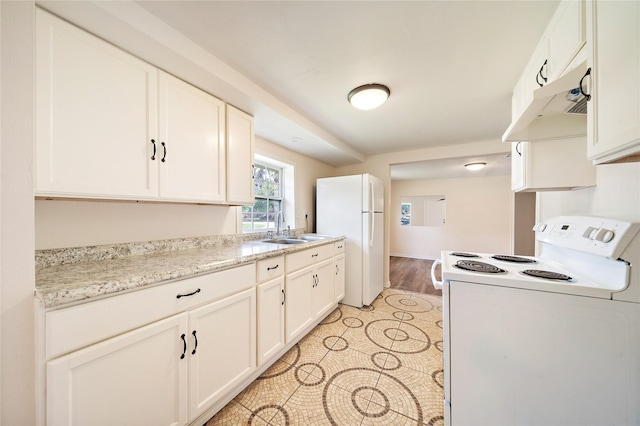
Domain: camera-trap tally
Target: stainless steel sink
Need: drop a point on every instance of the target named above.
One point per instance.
(285, 241)
(314, 237)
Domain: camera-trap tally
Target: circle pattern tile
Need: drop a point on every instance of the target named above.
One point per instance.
(380, 364)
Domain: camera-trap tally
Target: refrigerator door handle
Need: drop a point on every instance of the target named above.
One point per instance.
(372, 193)
(372, 228)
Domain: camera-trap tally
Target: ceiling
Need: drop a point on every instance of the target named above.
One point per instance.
(496, 165)
(451, 65)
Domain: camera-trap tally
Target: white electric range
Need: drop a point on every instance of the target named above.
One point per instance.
(553, 339)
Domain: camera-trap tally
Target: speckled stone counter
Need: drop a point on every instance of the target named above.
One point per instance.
(71, 276)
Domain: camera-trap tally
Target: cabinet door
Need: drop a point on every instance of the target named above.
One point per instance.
(530, 80)
(137, 378)
(240, 140)
(566, 36)
(323, 291)
(518, 152)
(613, 117)
(222, 349)
(298, 303)
(271, 299)
(191, 152)
(339, 277)
(95, 116)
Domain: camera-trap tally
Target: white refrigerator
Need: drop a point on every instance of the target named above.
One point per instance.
(352, 206)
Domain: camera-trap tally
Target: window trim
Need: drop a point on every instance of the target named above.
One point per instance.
(262, 161)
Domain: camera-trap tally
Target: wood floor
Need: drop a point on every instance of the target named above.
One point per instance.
(413, 275)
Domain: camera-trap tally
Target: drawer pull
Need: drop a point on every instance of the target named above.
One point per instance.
(187, 295)
(314, 255)
(340, 247)
(272, 268)
(195, 338)
(184, 342)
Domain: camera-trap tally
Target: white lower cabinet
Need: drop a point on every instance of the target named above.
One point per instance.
(167, 372)
(135, 378)
(175, 353)
(222, 349)
(309, 295)
(271, 300)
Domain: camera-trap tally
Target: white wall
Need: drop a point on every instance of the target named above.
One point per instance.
(380, 166)
(477, 217)
(616, 195)
(83, 223)
(307, 170)
(17, 351)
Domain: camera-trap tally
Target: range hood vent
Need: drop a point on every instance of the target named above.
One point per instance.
(557, 111)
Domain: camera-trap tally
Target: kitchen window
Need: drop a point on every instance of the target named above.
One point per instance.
(269, 199)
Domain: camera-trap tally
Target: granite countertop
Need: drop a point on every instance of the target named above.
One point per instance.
(88, 276)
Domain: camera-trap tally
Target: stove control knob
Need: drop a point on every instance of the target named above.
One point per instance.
(604, 235)
(590, 233)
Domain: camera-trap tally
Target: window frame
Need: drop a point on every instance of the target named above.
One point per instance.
(280, 200)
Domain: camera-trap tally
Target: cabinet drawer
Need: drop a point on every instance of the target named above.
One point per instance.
(308, 257)
(270, 268)
(78, 326)
(339, 246)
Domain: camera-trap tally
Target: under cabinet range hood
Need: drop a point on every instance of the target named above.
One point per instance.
(558, 110)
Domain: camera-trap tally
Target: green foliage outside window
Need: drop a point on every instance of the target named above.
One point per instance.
(262, 215)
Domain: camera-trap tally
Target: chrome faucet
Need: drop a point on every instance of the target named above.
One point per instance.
(278, 223)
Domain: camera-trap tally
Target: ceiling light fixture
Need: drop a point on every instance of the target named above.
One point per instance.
(475, 166)
(369, 96)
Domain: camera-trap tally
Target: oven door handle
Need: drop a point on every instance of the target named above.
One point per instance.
(437, 284)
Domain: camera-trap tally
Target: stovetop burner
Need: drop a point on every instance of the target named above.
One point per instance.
(513, 259)
(461, 254)
(475, 266)
(549, 275)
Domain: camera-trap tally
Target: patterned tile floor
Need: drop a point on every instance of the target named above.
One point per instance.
(379, 365)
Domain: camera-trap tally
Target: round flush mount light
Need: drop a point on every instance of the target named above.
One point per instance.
(369, 96)
(475, 166)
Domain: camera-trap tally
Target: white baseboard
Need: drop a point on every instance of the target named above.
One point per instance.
(413, 256)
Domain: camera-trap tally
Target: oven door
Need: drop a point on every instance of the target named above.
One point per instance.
(517, 356)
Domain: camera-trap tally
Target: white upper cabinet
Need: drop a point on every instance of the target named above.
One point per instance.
(614, 59)
(565, 37)
(96, 116)
(191, 148)
(111, 126)
(240, 141)
(551, 165)
(530, 80)
(538, 112)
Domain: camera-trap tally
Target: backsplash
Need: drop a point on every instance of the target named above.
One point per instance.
(65, 256)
